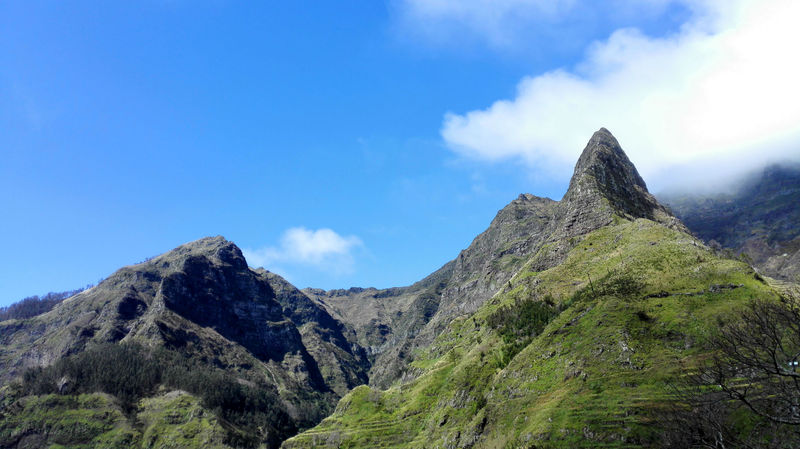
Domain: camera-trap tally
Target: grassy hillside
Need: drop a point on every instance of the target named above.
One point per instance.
(172, 420)
(586, 366)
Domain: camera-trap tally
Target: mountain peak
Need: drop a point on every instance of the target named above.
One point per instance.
(608, 166)
(606, 183)
(214, 248)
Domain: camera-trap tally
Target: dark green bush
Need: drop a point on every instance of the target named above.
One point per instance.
(34, 305)
(519, 323)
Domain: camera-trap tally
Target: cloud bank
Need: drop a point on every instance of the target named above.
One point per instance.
(723, 90)
(321, 249)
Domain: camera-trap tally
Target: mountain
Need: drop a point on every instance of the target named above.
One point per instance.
(395, 323)
(565, 324)
(758, 220)
(560, 326)
(198, 306)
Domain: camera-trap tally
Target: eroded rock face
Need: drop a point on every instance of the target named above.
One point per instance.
(202, 301)
(605, 183)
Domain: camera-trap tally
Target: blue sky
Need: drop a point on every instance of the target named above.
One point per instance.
(339, 143)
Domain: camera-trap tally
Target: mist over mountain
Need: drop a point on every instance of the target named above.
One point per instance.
(758, 219)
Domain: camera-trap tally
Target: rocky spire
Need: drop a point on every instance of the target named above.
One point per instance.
(605, 183)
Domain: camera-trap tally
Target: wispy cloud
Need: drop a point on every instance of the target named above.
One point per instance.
(321, 249)
(502, 22)
(723, 89)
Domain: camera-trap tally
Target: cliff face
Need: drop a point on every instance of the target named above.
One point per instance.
(202, 302)
(605, 183)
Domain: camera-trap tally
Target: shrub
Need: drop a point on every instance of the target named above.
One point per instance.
(520, 323)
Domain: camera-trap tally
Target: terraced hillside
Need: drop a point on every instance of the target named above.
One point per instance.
(585, 365)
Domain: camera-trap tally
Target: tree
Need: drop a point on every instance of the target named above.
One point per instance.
(747, 394)
(756, 357)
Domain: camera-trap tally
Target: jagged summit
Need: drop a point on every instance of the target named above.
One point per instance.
(604, 159)
(606, 183)
(201, 303)
(531, 230)
(216, 248)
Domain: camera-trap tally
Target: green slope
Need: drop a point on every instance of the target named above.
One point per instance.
(172, 420)
(634, 302)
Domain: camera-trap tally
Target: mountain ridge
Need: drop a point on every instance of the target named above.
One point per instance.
(609, 300)
(604, 185)
(570, 314)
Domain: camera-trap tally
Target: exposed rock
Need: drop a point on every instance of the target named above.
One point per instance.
(202, 301)
(605, 183)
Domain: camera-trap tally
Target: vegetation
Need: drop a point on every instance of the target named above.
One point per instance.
(633, 307)
(518, 323)
(34, 305)
(757, 360)
(746, 393)
(130, 373)
(638, 336)
(66, 421)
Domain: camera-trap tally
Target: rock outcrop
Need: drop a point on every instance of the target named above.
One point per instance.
(202, 301)
(605, 183)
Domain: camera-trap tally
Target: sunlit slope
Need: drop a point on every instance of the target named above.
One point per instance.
(629, 309)
(174, 419)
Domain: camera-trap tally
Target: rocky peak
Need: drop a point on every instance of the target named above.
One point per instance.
(605, 183)
(217, 250)
(604, 159)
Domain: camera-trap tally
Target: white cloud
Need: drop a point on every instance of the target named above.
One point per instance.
(723, 89)
(323, 249)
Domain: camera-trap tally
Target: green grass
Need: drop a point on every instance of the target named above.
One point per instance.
(82, 421)
(632, 305)
(172, 420)
(177, 420)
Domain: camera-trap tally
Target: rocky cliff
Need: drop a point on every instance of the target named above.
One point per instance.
(201, 302)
